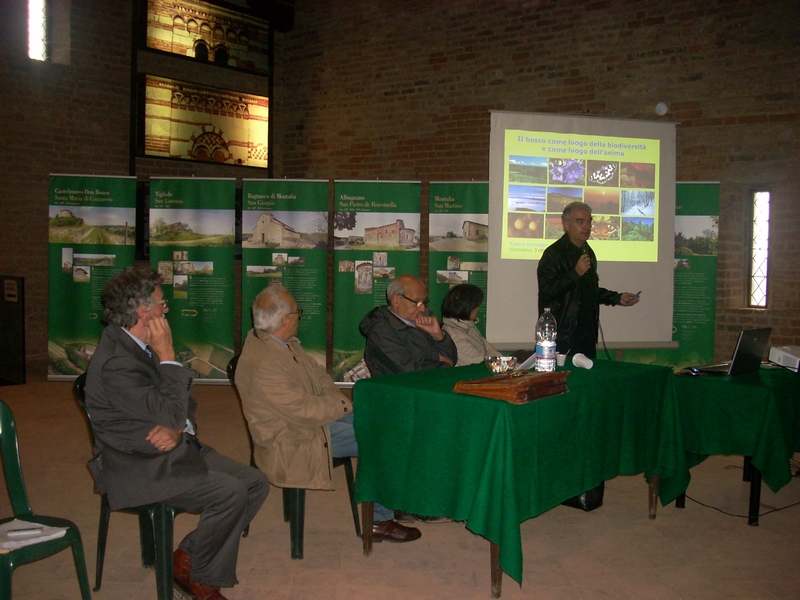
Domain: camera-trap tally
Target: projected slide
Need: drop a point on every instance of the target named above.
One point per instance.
(617, 176)
(625, 170)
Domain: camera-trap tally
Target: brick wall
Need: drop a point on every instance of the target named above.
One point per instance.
(402, 90)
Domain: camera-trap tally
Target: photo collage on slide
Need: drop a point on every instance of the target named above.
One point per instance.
(622, 196)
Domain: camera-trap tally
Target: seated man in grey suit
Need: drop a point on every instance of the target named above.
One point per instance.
(298, 418)
(143, 411)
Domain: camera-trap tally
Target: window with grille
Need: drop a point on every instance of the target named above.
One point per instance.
(759, 250)
(37, 29)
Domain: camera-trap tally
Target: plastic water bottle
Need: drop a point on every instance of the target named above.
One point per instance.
(546, 331)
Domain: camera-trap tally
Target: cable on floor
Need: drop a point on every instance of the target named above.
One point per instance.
(792, 463)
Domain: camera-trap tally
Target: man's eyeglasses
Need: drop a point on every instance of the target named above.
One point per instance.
(163, 303)
(298, 312)
(419, 303)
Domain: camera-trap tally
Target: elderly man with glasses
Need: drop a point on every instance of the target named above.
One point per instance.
(402, 337)
(298, 418)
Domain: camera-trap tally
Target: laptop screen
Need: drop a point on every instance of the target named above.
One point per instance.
(749, 351)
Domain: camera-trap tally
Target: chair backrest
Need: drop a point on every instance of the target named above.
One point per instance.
(13, 469)
(232, 371)
(80, 396)
(232, 364)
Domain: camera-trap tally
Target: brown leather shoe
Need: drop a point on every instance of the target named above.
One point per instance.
(392, 531)
(181, 569)
(182, 576)
(205, 592)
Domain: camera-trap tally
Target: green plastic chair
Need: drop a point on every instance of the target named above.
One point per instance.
(22, 510)
(156, 523)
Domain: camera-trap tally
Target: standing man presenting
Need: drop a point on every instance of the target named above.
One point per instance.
(570, 287)
(401, 337)
(146, 449)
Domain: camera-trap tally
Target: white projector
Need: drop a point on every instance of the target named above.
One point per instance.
(786, 356)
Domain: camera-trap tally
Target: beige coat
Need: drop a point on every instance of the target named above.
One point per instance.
(471, 345)
(288, 401)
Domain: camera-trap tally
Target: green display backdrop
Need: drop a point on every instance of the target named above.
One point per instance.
(459, 240)
(285, 240)
(91, 235)
(694, 310)
(192, 245)
(376, 232)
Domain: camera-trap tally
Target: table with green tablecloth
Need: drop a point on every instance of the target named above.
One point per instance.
(426, 450)
(756, 415)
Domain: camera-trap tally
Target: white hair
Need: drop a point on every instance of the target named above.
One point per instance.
(268, 314)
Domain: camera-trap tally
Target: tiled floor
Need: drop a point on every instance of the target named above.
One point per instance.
(613, 552)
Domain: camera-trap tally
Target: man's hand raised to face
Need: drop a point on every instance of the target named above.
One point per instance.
(161, 338)
(430, 325)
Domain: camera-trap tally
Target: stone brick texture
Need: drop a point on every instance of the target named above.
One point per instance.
(402, 90)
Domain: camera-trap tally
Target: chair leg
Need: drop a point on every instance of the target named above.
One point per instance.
(351, 489)
(102, 536)
(146, 538)
(163, 518)
(297, 513)
(6, 571)
(246, 530)
(80, 567)
(286, 502)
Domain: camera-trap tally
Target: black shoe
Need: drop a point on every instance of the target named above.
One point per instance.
(404, 517)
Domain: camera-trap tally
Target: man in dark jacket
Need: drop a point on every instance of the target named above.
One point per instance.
(143, 415)
(569, 285)
(401, 338)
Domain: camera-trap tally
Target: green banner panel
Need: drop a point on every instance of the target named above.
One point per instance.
(376, 230)
(192, 246)
(694, 310)
(459, 240)
(285, 240)
(92, 235)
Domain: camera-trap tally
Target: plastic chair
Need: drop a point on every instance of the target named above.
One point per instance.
(155, 525)
(294, 499)
(22, 510)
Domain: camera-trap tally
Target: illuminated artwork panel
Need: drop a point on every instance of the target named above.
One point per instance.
(195, 122)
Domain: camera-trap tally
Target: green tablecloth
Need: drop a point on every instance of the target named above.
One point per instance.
(756, 415)
(426, 450)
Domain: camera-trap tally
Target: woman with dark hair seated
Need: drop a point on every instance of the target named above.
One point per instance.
(460, 313)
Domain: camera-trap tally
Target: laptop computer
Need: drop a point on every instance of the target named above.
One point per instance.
(747, 356)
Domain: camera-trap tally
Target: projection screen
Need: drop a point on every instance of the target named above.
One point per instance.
(625, 170)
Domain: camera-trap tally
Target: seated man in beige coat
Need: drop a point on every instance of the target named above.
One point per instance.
(298, 418)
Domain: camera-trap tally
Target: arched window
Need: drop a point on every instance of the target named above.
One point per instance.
(201, 52)
(221, 56)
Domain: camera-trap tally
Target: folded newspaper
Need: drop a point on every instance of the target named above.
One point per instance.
(17, 533)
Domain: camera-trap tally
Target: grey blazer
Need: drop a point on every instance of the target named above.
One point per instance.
(127, 394)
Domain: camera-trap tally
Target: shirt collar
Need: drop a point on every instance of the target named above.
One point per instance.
(409, 323)
(142, 345)
(280, 341)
